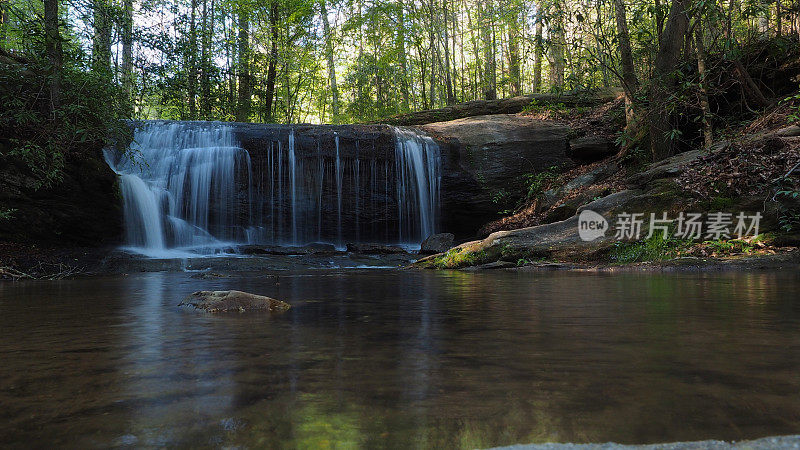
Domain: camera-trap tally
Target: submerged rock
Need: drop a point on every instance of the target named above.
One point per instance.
(374, 249)
(310, 249)
(223, 301)
(437, 243)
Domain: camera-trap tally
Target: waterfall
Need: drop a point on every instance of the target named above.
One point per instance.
(192, 187)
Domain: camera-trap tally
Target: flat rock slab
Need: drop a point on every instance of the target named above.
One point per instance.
(225, 301)
(768, 443)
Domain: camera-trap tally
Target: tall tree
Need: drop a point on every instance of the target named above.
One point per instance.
(328, 36)
(630, 82)
(273, 61)
(245, 91)
(538, 52)
(192, 72)
(708, 132)
(663, 82)
(55, 55)
(127, 56)
(101, 40)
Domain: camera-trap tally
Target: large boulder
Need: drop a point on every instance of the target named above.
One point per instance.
(224, 301)
(437, 243)
(484, 163)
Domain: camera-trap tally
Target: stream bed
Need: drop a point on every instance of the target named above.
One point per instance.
(400, 358)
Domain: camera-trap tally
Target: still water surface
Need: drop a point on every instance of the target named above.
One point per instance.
(386, 358)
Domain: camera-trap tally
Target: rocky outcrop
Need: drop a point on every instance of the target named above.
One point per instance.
(437, 243)
(485, 160)
(511, 105)
(225, 301)
(652, 191)
(82, 208)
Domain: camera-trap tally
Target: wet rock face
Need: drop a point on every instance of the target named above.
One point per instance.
(485, 159)
(82, 208)
(437, 243)
(230, 301)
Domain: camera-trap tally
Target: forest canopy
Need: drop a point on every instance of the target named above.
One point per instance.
(340, 61)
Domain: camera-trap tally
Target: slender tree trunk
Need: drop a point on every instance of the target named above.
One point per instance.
(514, 70)
(3, 22)
(401, 46)
(708, 132)
(630, 82)
(447, 74)
(127, 56)
(192, 84)
(557, 50)
(778, 18)
(205, 64)
(54, 51)
(326, 29)
(245, 90)
(538, 54)
(101, 41)
(490, 67)
(663, 84)
(273, 61)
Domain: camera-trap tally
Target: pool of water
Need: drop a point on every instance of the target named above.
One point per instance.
(392, 358)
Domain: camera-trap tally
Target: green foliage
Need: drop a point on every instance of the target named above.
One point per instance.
(794, 102)
(45, 141)
(536, 183)
(788, 198)
(536, 106)
(7, 213)
(655, 248)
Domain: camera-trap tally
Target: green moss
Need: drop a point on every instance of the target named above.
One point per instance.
(655, 248)
(457, 258)
(721, 203)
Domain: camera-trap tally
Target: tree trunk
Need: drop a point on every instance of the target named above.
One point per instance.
(55, 54)
(557, 44)
(192, 82)
(401, 46)
(245, 93)
(127, 57)
(490, 67)
(663, 84)
(708, 132)
(538, 54)
(205, 64)
(101, 41)
(447, 74)
(273, 61)
(630, 82)
(514, 70)
(326, 29)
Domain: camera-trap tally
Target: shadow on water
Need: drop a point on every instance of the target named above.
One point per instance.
(402, 358)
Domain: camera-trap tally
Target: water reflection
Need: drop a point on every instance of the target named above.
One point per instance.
(396, 358)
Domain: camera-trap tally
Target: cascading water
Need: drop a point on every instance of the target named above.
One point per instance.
(191, 186)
